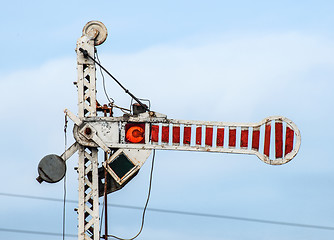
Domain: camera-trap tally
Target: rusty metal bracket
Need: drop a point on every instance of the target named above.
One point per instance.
(87, 131)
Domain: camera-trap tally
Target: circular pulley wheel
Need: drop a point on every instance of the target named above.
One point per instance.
(51, 168)
(97, 30)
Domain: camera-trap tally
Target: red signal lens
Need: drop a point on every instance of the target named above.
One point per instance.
(135, 133)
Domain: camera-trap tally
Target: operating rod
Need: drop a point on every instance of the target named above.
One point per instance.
(86, 55)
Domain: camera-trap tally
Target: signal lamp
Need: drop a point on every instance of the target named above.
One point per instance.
(135, 132)
(121, 167)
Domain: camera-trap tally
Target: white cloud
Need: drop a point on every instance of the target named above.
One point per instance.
(228, 77)
(242, 78)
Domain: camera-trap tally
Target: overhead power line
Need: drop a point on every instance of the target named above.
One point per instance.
(228, 217)
(35, 197)
(184, 213)
(36, 232)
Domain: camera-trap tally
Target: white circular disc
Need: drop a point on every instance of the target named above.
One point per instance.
(99, 27)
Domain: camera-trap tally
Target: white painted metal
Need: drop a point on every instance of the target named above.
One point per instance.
(73, 117)
(92, 135)
(88, 209)
(97, 31)
(70, 151)
(109, 137)
(136, 156)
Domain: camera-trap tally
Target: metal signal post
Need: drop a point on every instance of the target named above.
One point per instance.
(127, 141)
(94, 33)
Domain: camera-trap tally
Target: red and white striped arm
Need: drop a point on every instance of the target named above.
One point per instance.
(275, 140)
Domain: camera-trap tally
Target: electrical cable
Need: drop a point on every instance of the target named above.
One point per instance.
(64, 208)
(64, 202)
(111, 103)
(103, 82)
(195, 214)
(36, 232)
(101, 219)
(147, 200)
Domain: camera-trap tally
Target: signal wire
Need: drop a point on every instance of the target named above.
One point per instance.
(101, 219)
(103, 82)
(111, 103)
(195, 214)
(64, 202)
(36, 232)
(145, 208)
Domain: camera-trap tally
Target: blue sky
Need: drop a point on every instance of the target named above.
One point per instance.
(237, 61)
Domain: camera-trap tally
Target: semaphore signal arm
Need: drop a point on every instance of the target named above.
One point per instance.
(278, 144)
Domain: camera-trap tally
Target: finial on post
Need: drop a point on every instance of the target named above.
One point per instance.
(95, 30)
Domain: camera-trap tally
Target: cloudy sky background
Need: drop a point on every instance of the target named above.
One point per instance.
(227, 61)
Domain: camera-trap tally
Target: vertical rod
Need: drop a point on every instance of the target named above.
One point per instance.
(105, 195)
(105, 199)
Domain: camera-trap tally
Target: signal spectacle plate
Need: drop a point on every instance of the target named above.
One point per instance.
(99, 27)
(51, 168)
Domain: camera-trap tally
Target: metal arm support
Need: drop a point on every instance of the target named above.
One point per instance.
(87, 131)
(70, 151)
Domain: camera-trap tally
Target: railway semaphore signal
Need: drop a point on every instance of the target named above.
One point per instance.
(129, 139)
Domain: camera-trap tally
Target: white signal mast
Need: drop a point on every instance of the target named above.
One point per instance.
(129, 139)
